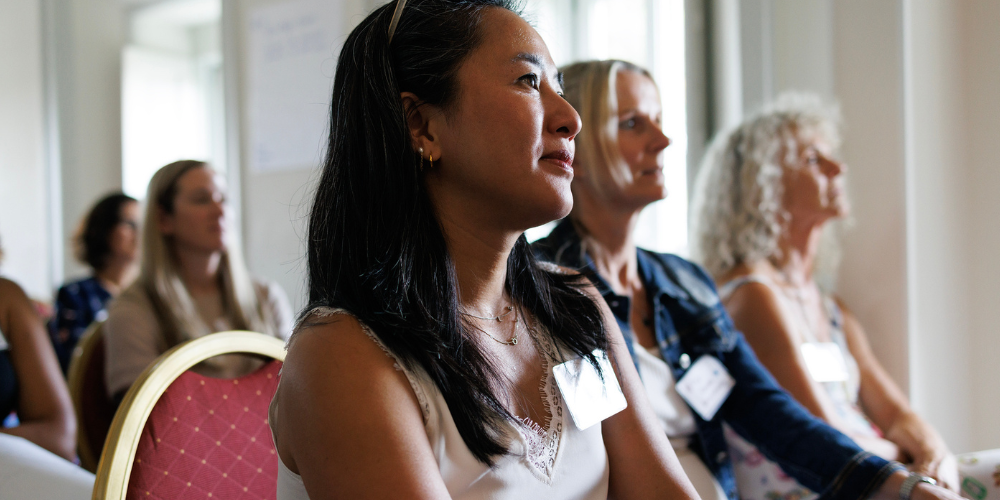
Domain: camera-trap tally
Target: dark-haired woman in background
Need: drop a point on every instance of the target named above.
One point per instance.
(430, 361)
(699, 372)
(108, 242)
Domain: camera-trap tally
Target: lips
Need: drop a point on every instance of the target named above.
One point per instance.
(561, 157)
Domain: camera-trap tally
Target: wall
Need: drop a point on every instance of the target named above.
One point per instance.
(275, 204)
(24, 207)
(981, 88)
(87, 37)
(940, 259)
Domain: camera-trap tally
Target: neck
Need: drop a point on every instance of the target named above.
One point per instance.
(199, 270)
(480, 261)
(798, 248)
(116, 275)
(607, 233)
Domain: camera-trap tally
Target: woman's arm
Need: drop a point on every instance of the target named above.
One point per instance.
(886, 405)
(348, 422)
(643, 464)
(757, 312)
(44, 406)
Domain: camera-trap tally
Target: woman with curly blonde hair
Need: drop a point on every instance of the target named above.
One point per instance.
(766, 194)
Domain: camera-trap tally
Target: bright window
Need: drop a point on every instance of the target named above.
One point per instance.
(649, 33)
(171, 90)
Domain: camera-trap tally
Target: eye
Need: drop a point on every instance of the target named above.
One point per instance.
(628, 124)
(531, 79)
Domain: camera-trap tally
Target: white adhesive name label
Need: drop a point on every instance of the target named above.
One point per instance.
(825, 361)
(706, 386)
(588, 399)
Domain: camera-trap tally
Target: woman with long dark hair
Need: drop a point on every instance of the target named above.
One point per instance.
(437, 358)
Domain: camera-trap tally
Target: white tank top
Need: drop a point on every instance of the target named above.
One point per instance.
(557, 460)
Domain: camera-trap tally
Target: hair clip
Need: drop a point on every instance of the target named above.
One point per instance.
(395, 18)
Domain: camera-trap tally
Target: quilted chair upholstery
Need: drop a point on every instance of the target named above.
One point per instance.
(181, 435)
(94, 409)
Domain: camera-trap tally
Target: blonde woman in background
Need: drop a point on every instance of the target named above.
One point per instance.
(765, 193)
(192, 281)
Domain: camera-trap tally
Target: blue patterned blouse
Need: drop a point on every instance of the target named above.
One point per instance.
(78, 304)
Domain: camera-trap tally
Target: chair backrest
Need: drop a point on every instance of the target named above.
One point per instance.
(178, 434)
(94, 409)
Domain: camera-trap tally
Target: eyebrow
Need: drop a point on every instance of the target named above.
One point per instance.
(537, 61)
(529, 58)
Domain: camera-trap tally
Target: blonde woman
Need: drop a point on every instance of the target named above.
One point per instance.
(192, 281)
(697, 370)
(766, 192)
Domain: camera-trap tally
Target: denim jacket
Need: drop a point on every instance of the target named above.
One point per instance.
(689, 321)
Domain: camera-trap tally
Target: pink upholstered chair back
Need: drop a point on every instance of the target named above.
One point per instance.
(209, 438)
(181, 435)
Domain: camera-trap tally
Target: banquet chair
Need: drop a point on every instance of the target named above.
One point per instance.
(94, 409)
(179, 435)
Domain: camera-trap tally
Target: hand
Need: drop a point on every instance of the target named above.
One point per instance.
(924, 491)
(930, 456)
(945, 471)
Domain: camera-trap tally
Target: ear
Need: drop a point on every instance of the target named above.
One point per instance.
(421, 121)
(164, 222)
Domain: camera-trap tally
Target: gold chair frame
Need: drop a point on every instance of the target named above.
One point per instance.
(83, 352)
(116, 462)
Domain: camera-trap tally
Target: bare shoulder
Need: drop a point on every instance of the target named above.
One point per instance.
(333, 341)
(11, 291)
(346, 419)
(757, 311)
(755, 298)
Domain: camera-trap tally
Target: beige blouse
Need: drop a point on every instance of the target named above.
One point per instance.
(134, 338)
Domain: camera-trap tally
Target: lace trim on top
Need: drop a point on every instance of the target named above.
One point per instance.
(425, 407)
(542, 442)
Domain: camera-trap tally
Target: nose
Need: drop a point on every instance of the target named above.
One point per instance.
(562, 119)
(660, 141)
(833, 168)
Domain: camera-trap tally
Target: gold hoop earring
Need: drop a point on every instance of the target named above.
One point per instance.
(432, 161)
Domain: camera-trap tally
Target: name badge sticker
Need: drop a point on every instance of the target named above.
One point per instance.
(588, 399)
(706, 386)
(825, 361)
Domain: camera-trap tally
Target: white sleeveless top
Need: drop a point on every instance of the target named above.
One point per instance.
(556, 460)
(757, 478)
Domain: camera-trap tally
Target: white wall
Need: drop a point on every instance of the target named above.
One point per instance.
(24, 207)
(88, 36)
(940, 259)
(275, 204)
(981, 89)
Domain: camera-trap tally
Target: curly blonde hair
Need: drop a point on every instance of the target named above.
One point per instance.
(736, 208)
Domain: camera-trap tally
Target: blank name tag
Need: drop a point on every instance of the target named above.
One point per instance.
(588, 398)
(706, 386)
(825, 361)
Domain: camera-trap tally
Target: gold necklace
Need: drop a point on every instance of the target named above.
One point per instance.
(511, 341)
(496, 318)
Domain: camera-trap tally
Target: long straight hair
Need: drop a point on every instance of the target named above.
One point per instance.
(375, 247)
(160, 280)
